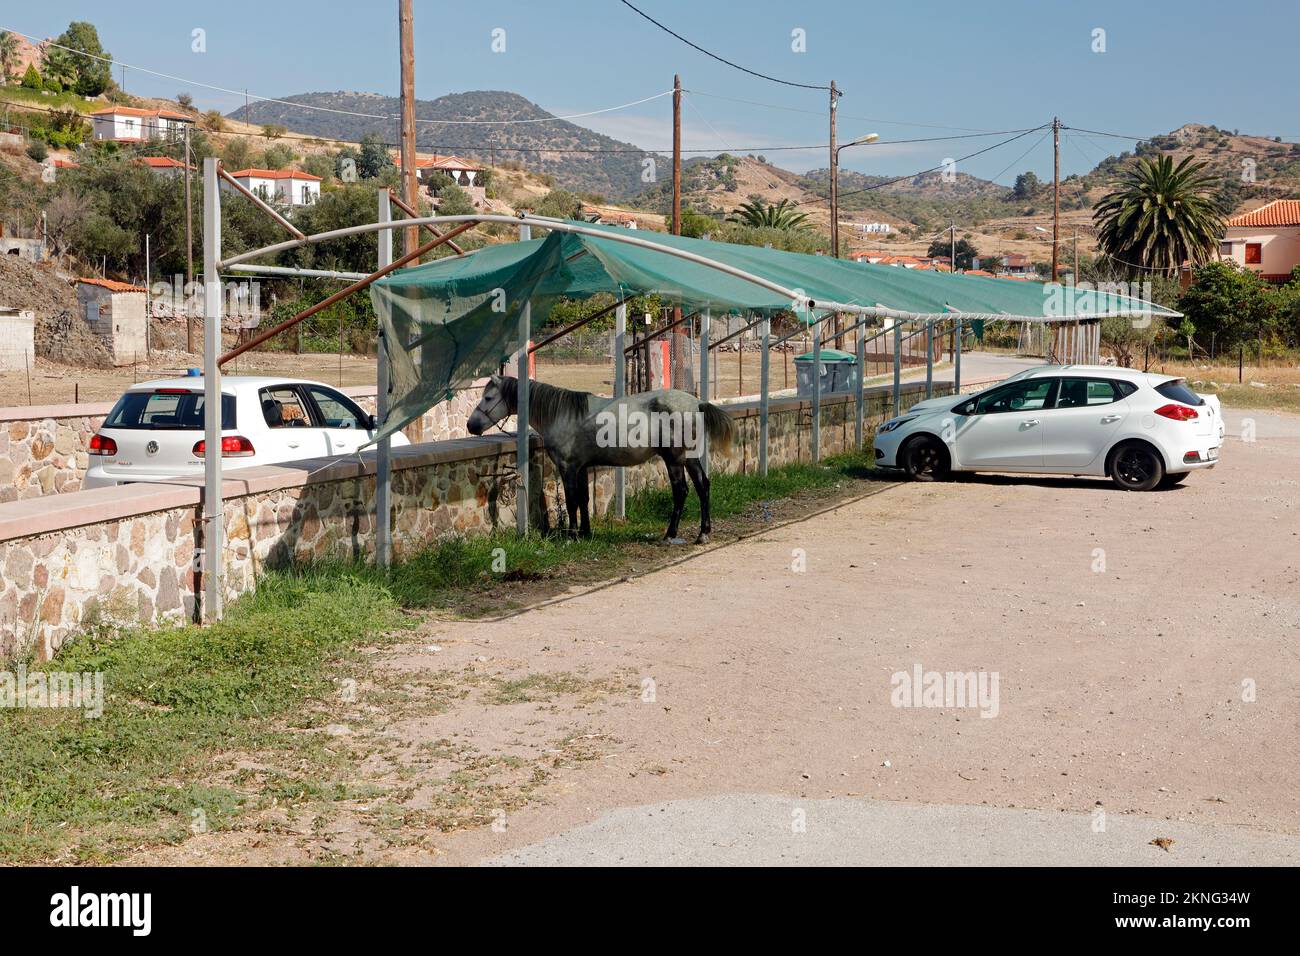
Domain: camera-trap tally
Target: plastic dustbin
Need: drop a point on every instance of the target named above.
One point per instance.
(838, 370)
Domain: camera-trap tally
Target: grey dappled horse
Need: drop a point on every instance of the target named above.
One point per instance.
(581, 429)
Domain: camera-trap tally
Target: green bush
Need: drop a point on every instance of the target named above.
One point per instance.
(32, 79)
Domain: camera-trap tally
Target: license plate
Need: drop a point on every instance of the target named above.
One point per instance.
(1212, 455)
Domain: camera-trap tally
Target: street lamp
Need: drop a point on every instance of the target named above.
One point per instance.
(835, 187)
(1076, 249)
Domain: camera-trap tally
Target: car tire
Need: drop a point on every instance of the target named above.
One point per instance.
(926, 459)
(1176, 479)
(1136, 466)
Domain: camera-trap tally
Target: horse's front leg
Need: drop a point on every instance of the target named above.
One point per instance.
(583, 503)
(572, 480)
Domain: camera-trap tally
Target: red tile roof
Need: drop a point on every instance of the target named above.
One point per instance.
(162, 162)
(114, 286)
(1280, 212)
(437, 161)
(274, 174)
(133, 111)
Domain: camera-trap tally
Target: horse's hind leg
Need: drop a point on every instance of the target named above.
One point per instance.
(701, 481)
(677, 479)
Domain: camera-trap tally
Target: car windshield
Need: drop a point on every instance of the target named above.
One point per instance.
(1176, 390)
(166, 409)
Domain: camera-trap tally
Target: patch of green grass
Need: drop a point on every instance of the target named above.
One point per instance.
(175, 698)
(59, 101)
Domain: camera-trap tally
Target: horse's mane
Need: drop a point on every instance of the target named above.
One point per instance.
(548, 402)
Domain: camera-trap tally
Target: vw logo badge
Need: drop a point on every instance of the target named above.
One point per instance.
(152, 448)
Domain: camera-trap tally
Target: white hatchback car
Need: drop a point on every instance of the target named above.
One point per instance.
(155, 431)
(1141, 429)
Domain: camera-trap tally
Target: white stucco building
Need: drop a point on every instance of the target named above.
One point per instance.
(288, 187)
(126, 124)
(1266, 240)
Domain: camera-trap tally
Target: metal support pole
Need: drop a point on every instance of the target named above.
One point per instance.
(705, 317)
(620, 389)
(765, 330)
(522, 457)
(898, 363)
(862, 379)
(383, 451)
(213, 519)
(956, 358)
(929, 358)
(817, 392)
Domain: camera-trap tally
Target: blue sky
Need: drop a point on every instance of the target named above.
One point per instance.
(908, 70)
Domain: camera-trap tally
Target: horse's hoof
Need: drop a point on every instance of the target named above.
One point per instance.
(702, 539)
(668, 540)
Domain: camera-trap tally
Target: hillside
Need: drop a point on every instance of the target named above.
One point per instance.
(501, 138)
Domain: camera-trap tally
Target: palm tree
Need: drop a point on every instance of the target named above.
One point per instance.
(8, 55)
(784, 215)
(1160, 216)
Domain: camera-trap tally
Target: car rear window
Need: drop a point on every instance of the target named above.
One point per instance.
(1176, 390)
(166, 410)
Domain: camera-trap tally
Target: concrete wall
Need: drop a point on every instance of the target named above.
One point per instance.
(118, 318)
(127, 554)
(17, 339)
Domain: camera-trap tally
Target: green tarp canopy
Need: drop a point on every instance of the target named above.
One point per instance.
(449, 322)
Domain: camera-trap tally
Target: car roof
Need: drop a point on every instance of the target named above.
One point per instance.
(229, 383)
(1101, 371)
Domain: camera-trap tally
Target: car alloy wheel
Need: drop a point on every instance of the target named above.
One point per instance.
(1137, 468)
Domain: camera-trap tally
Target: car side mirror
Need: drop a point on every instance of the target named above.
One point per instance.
(372, 423)
(965, 408)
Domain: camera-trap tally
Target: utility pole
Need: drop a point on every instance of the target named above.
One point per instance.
(835, 180)
(189, 248)
(1076, 257)
(1056, 196)
(406, 24)
(677, 154)
(952, 246)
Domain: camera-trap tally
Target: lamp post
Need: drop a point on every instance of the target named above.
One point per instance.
(835, 187)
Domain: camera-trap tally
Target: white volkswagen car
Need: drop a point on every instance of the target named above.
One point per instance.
(1140, 429)
(155, 431)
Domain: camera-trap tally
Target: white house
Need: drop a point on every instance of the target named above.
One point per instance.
(289, 187)
(1266, 240)
(465, 174)
(126, 124)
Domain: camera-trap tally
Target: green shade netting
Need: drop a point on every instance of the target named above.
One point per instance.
(449, 322)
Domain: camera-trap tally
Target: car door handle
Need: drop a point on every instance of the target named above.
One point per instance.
(1029, 423)
(1110, 419)
(293, 444)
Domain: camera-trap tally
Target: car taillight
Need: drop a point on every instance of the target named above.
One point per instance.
(102, 445)
(1179, 413)
(232, 446)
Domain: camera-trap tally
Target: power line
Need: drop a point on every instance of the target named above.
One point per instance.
(734, 66)
(960, 159)
(864, 119)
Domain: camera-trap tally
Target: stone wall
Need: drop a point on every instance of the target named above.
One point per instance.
(43, 447)
(127, 555)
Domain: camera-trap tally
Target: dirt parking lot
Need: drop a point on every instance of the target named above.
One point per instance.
(1147, 648)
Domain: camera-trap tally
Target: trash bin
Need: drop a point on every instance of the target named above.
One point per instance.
(838, 370)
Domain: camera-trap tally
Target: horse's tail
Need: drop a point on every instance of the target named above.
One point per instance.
(718, 426)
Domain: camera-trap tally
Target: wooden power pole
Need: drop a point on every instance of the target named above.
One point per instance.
(406, 25)
(189, 248)
(835, 180)
(677, 154)
(1056, 197)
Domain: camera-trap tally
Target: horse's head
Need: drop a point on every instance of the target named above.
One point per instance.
(493, 408)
